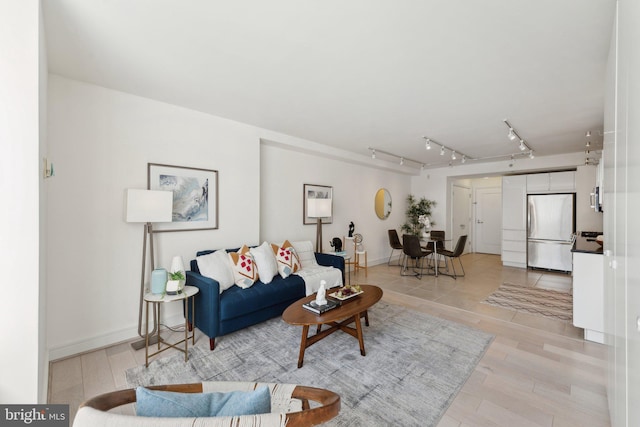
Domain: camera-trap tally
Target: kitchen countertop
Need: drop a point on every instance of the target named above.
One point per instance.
(586, 245)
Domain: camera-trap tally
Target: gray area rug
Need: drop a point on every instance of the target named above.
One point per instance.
(414, 367)
(538, 301)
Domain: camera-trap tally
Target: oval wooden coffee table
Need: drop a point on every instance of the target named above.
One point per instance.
(350, 311)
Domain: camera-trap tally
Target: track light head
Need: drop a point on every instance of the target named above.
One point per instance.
(531, 156)
(522, 146)
(428, 144)
(373, 153)
(453, 155)
(464, 159)
(511, 135)
(401, 161)
(442, 151)
(588, 144)
(588, 134)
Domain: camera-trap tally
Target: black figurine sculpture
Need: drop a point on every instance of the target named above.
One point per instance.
(336, 244)
(351, 228)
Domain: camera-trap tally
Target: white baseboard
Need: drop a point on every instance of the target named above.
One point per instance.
(104, 340)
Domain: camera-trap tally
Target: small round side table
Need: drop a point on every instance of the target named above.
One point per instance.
(188, 293)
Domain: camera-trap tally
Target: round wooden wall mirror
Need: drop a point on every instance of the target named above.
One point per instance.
(383, 203)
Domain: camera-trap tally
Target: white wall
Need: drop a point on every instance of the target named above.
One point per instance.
(101, 141)
(285, 170)
(21, 356)
(43, 353)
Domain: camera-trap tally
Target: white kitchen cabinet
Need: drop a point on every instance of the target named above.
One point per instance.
(588, 295)
(514, 221)
(553, 182)
(538, 183)
(562, 181)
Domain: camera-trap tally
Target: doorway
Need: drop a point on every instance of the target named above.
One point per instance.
(488, 220)
(461, 216)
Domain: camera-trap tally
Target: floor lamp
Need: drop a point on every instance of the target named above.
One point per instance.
(147, 206)
(319, 208)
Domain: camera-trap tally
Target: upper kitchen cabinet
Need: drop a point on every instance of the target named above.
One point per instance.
(554, 182)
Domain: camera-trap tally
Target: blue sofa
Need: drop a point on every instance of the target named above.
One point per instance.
(219, 314)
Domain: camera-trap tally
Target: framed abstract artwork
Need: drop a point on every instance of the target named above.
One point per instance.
(195, 196)
(317, 193)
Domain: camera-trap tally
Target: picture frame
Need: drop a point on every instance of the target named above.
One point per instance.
(195, 196)
(314, 191)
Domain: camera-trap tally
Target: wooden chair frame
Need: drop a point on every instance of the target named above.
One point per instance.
(329, 400)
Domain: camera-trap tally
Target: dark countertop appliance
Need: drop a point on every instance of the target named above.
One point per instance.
(586, 242)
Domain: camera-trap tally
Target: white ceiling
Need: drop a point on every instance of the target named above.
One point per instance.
(355, 74)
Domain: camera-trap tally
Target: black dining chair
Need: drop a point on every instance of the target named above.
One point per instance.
(438, 236)
(455, 254)
(396, 244)
(412, 249)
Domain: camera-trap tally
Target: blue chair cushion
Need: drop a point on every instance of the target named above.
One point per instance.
(236, 302)
(155, 403)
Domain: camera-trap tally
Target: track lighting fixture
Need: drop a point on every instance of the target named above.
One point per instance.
(443, 148)
(513, 135)
(531, 156)
(375, 153)
(588, 134)
(588, 144)
(464, 159)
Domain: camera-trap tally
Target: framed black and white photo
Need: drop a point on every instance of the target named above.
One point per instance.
(317, 197)
(195, 196)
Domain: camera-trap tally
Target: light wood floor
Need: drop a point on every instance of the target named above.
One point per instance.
(537, 372)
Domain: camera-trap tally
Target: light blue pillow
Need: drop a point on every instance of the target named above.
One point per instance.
(154, 403)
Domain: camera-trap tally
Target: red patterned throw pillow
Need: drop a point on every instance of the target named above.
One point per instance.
(245, 273)
(288, 262)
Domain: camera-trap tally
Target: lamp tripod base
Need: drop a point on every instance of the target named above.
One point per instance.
(140, 344)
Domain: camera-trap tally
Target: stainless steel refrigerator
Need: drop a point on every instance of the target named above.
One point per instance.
(550, 231)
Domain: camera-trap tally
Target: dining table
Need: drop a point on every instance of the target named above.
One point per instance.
(428, 239)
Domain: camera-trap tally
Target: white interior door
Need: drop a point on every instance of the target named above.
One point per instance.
(488, 226)
(461, 217)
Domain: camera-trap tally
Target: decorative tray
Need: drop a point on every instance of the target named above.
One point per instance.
(337, 295)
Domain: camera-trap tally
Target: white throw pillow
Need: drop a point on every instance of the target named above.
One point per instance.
(306, 254)
(216, 266)
(265, 261)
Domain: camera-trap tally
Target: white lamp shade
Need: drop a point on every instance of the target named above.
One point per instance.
(149, 205)
(319, 208)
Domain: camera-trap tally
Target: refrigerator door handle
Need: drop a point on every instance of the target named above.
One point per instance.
(551, 242)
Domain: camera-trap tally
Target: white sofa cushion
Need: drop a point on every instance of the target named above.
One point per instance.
(306, 254)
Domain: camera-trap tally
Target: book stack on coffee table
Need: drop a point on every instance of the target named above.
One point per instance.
(319, 309)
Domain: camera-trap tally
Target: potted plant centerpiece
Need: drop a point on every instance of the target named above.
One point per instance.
(176, 281)
(418, 216)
